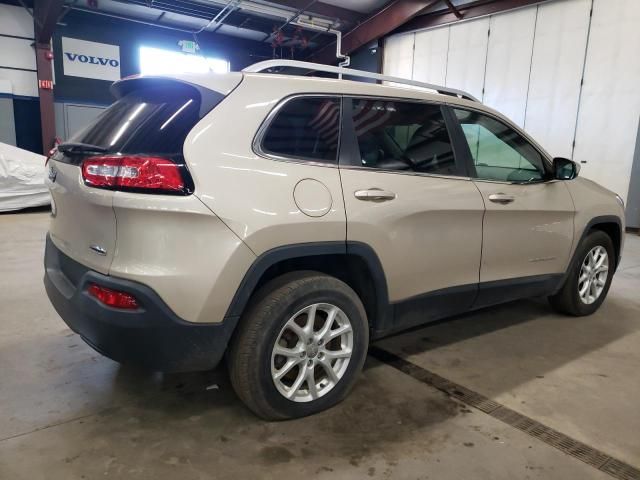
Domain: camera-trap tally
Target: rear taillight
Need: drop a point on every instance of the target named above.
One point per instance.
(113, 298)
(136, 173)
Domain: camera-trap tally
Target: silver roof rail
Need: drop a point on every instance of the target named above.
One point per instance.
(318, 67)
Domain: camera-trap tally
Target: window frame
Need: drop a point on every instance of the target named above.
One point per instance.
(258, 139)
(350, 149)
(468, 157)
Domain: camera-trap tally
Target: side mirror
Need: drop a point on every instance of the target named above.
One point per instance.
(565, 169)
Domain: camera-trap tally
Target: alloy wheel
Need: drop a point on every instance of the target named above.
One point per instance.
(593, 275)
(312, 352)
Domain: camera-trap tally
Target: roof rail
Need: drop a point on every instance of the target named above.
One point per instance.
(318, 67)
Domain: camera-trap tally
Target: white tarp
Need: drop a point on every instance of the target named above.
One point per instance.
(22, 176)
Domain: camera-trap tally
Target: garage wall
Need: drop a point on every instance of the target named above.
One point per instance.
(129, 36)
(79, 99)
(17, 56)
(529, 64)
(18, 80)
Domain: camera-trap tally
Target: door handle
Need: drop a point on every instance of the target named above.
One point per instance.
(501, 198)
(374, 195)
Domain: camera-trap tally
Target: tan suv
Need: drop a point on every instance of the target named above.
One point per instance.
(286, 221)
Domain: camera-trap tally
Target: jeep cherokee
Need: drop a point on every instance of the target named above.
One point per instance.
(286, 221)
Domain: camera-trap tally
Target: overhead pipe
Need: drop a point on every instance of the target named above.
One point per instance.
(346, 59)
(220, 17)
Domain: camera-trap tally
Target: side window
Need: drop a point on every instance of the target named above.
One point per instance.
(498, 151)
(305, 128)
(405, 136)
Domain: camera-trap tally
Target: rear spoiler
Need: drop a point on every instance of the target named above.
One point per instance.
(210, 89)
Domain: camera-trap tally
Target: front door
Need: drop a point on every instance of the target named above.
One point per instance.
(528, 224)
(408, 198)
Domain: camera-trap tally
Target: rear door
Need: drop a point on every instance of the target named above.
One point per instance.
(528, 225)
(408, 197)
(152, 118)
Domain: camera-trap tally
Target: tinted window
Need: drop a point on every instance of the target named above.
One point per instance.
(305, 128)
(403, 136)
(153, 120)
(498, 151)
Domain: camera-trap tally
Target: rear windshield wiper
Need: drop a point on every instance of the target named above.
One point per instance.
(71, 148)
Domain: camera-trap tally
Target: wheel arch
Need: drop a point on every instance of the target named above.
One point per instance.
(612, 226)
(354, 263)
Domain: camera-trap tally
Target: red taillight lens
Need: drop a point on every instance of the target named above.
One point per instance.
(113, 298)
(133, 172)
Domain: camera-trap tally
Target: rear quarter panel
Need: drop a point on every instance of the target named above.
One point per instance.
(252, 194)
(176, 246)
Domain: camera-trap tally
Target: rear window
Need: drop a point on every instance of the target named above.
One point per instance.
(305, 128)
(153, 120)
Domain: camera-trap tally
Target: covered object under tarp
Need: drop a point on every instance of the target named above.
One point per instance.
(22, 176)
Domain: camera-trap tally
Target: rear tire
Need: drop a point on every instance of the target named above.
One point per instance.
(586, 287)
(281, 364)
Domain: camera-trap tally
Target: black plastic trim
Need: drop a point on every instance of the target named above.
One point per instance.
(447, 302)
(349, 150)
(279, 254)
(501, 291)
(432, 306)
(606, 219)
(407, 313)
(152, 336)
(459, 143)
(602, 219)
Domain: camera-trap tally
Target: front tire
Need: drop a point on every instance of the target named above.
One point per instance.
(589, 277)
(300, 346)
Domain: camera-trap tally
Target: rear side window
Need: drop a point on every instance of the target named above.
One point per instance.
(153, 120)
(305, 128)
(404, 136)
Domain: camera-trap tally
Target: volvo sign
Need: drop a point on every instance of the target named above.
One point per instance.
(81, 58)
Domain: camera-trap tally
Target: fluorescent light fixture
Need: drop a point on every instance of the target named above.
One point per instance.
(156, 61)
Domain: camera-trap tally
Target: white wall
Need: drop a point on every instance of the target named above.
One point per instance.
(529, 63)
(16, 52)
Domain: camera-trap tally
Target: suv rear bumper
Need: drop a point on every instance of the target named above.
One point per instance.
(152, 336)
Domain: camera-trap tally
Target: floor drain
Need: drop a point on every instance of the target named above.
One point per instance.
(585, 453)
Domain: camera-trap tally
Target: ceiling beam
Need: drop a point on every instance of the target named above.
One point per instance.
(389, 18)
(324, 9)
(471, 10)
(453, 9)
(45, 16)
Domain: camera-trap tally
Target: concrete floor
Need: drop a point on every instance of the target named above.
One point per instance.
(69, 413)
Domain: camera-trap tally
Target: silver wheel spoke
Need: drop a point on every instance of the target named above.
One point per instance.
(326, 364)
(311, 318)
(297, 329)
(302, 376)
(311, 383)
(334, 354)
(288, 352)
(286, 368)
(331, 317)
(337, 332)
(585, 288)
